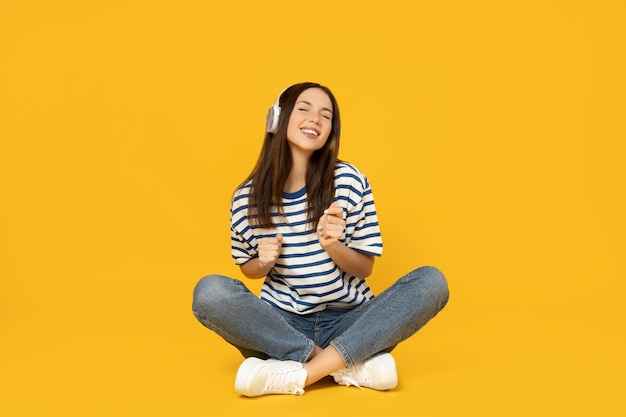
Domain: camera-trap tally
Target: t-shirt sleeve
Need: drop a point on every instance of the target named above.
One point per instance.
(354, 193)
(243, 242)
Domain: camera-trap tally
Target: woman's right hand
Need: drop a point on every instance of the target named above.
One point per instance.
(269, 250)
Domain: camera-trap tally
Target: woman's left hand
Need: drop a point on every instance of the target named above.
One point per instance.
(331, 226)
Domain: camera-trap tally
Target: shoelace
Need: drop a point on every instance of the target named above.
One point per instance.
(350, 376)
(350, 381)
(284, 380)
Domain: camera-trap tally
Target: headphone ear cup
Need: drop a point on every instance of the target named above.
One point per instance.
(273, 115)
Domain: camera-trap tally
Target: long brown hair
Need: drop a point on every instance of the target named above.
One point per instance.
(269, 175)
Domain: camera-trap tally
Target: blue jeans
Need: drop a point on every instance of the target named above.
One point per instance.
(258, 329)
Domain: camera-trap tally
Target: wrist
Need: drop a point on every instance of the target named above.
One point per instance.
(330, 245)
(264, 268)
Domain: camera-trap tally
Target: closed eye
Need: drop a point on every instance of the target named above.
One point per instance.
(325, 112)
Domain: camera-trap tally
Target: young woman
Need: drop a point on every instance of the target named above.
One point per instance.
(306, 223)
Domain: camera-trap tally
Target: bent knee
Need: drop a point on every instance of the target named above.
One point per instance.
(436, 282)
(207, 282)
(205, 290)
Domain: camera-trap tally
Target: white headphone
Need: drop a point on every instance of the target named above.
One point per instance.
(273, 114)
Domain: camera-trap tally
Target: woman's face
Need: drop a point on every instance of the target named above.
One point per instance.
(310, 122)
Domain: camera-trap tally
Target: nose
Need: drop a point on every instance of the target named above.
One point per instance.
(315, 118)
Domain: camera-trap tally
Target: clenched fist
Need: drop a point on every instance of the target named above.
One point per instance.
(331, 226)
(269, 249)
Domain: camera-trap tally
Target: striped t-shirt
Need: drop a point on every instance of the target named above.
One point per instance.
(304, 278)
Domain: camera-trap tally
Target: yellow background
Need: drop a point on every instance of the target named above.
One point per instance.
(493, 135)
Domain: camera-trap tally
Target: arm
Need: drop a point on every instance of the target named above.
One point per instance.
(329, 230)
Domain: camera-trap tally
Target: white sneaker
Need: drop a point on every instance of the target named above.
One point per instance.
(378, 372)
(258, 377)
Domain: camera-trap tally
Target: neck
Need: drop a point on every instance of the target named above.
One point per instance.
(297, 176)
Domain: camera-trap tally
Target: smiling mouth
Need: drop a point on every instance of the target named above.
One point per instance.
(312, 133)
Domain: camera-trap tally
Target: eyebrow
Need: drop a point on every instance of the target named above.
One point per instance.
(323, 108)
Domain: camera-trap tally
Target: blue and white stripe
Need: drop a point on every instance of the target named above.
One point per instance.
(305, 279)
